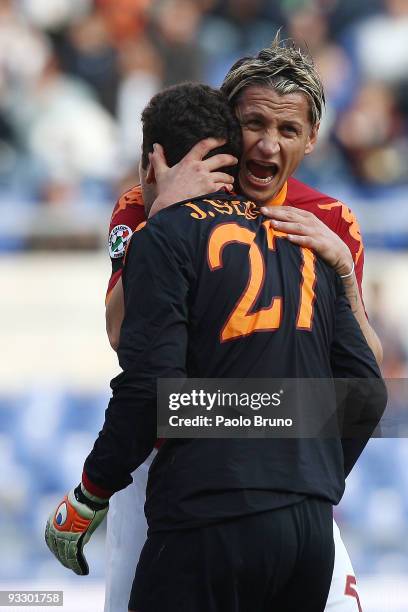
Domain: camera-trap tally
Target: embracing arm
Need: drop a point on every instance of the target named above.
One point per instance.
(306, 230)
(192, 176)
(364, 392)
(127, 216)
(353, 295)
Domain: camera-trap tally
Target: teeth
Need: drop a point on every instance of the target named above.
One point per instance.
(266, 180)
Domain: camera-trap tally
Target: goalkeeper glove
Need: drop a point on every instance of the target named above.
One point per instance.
(69, 528)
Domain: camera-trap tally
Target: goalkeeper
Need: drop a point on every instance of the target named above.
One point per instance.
(160, 273)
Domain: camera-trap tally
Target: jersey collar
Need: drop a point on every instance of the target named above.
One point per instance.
(280, 198)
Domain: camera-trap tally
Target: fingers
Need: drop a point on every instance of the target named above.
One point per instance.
(202, 148)
(197, 153)
(220, 161)
(298, 212)
(303, 241)
(290, 228)
(80, 561)
(285, 213)
(158, 159)
(64, 547)
(50, 538)
(221, 186)
(221, 177)
(56, 546)
(294, 222)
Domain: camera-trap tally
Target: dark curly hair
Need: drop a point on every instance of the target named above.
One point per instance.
(182, 115)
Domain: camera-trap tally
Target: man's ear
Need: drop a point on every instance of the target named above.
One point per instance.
(312, 139)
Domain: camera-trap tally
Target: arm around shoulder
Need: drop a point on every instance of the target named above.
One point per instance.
(365, 396)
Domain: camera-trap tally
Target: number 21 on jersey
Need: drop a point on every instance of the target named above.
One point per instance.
(243, 321)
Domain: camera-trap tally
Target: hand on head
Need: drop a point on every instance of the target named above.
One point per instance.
(193, 176)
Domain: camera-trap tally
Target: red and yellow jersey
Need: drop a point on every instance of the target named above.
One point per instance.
(129, 213)
(337, 216)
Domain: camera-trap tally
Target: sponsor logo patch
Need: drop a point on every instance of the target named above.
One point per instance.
(118, 240)
(61, 514)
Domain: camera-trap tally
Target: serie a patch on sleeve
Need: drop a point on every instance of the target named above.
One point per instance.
(118, 240)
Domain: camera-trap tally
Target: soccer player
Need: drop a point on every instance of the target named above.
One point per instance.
(232, 523)
(312, 219)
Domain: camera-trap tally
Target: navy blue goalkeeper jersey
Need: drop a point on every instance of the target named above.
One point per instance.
(213, 291)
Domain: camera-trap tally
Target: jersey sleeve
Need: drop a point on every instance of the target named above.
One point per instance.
(127, 215)
(153, 344)
(349, 231)
(343, 222)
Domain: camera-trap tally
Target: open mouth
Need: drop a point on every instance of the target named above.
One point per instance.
(261, 173)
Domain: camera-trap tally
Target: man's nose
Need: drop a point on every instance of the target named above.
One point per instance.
(269, 144)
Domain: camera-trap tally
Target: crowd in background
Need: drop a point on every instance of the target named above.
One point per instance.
(75, 75)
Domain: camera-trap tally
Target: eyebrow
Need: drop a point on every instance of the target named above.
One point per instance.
(254, 114)
(293, 122)
(251, 114)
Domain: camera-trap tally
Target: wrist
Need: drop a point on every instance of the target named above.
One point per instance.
(345, 266)
(349, 275)
(83, 496)
(92, 491)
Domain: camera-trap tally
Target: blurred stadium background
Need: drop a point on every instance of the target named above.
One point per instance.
(74, 76)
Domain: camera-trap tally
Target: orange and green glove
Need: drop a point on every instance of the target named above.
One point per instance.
(70, 527)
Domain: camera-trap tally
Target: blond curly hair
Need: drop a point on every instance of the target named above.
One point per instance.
(282, 66)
